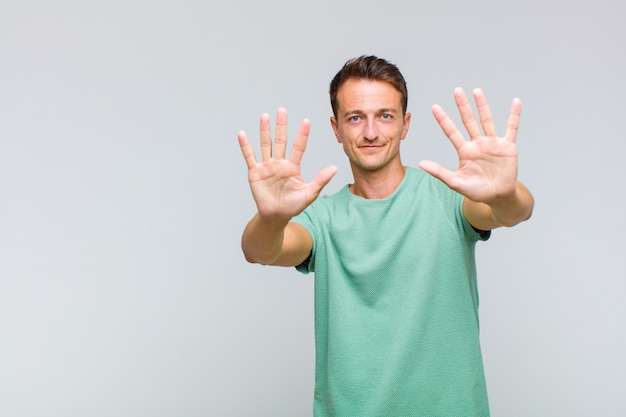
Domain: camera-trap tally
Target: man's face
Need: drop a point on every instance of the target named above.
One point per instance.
(370, 124)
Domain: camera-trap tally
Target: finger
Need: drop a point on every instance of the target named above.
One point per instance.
(486, 119)
(246, 149)
(299, 145)
(280, 139)
(512, 125)
(448, 127)
(467, 114)
(266, 137)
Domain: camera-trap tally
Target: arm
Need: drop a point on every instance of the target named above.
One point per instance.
(280, 194)
(507, 212)
(487, 172)
(272, 242)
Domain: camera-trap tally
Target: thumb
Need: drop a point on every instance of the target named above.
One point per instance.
(322, 178)
(438, 171)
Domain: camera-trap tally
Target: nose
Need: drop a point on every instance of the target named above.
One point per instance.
(370, 133)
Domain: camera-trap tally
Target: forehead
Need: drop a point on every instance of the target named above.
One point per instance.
(368, 95)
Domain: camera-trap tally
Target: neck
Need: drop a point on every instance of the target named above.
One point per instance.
(377, 184)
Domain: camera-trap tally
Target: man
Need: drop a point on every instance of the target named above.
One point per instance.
(396, 302)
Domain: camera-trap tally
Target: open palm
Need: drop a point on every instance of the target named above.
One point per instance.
(487, 163)
(277, 186)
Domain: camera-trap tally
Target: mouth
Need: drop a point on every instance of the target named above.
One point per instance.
(370, 147)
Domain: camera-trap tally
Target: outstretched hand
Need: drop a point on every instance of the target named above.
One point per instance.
(277, 186)
(487, 168)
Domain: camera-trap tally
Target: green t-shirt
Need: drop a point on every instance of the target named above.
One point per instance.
(396, 303)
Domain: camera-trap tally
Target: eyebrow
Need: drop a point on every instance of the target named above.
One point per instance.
(361, 112)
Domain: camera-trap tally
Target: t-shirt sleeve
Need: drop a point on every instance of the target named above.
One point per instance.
(304, 219)
(454, 202)
(469, 230)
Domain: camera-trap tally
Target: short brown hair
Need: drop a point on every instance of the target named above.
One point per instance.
(369, 67)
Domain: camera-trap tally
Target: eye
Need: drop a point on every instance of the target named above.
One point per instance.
(354, 118)
(386, 116)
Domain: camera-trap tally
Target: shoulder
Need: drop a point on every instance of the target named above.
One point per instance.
(445, 201)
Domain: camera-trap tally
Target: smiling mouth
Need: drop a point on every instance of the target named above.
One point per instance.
(370, 146)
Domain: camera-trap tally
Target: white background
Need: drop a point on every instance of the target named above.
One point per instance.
(123, 195)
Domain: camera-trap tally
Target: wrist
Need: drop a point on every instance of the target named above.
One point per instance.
(272, 222)
(513, 209)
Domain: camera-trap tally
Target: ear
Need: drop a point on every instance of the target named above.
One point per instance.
(335, 126)
(407, 123)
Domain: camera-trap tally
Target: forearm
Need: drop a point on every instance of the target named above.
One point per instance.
(504, 212)
(262, 239)
(515, 209)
